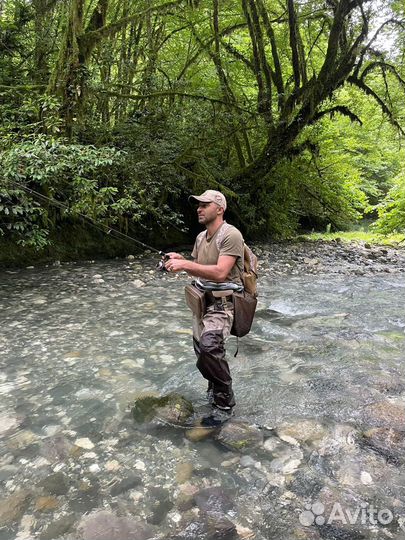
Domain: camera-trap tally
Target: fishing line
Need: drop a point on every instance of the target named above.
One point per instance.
(103, 228)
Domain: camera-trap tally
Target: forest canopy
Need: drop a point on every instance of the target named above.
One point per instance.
(118, 110)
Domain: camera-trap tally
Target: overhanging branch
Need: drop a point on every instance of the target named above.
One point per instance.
(341, 109)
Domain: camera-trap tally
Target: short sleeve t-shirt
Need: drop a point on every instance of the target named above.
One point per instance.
(226, 240)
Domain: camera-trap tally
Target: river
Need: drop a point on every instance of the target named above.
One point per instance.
(323, 365)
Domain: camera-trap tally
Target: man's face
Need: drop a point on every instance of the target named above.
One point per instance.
(207, 212)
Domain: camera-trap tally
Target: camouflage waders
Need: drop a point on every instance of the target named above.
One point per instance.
(209, 336)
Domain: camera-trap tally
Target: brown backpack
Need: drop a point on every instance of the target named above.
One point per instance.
(249, 275)
(245, 303)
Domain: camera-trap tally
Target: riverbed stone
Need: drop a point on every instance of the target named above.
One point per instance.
(208, 526)
(125, 485)
(213, 499)
(387, 442)
(304, 431)
(55, 484)
(160, 504)
(170, 409)
(8, 422)
(240, 436)
(385, 414)
(56, 448)
(183, 472)
(104, 525)
(12, 508)
(58, 528)
(46, 504)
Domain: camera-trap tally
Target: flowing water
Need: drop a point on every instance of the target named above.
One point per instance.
(81, 341)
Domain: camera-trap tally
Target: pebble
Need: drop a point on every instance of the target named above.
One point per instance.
(247, 461)
(7, 422)
(84, 443)
(95, 468)
(112, 465)
(183, 472)
(138, 283)
(139, 465)
(230, 462)
(366, 478)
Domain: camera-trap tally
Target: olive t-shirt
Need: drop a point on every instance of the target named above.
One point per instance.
(226, 240)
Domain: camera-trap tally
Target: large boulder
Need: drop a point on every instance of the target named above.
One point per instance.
(170, 409)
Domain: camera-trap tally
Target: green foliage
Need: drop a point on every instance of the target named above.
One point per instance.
(120, 110)
(391, 212)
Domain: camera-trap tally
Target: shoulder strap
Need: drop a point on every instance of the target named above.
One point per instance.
(222, 232)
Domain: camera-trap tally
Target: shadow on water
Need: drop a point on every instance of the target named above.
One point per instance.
(320, 377)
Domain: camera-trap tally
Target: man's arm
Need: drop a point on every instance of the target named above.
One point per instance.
(212, 272)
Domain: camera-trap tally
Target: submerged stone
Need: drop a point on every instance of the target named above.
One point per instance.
(13, 507)
(46, 504)
(303, 431)
(213, 499)
(58, 528)
(125, 485)
(104, 525)
(387, 442)
(385, 414)
(240, 436)
(55, 484)
(170, 409)
(210, 526)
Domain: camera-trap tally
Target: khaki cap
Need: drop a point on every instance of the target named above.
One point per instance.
(211, 196)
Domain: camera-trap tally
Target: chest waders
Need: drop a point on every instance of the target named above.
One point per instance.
(209, 335)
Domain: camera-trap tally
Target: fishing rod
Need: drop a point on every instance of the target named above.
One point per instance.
(103, 228)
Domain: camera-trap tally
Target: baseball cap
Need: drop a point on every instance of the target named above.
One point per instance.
(211, 196)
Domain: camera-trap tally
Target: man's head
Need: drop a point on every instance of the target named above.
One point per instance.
(211, 196)
(211, 206)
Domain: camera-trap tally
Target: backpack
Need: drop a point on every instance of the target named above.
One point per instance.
(250, 262)
(249, 274)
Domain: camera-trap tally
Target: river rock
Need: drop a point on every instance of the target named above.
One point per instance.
(87, 496)
(170, 409)
(385, 414)
(199, 433)
(388, 442)
(125, 485)
(207, 527)
(13, 507)
(58, 528)
(304, 431)
(160, 504)
(55, 484)
(183, 472)
(213, 499)
(240, 436)
(46, 504)
(57, 448)
(22, 439)
(7, 422)
(104, 525)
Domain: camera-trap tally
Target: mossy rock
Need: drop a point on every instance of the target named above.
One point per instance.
(170, 409)
(240, 436)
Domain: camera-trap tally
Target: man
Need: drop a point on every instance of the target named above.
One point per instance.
(218, 257)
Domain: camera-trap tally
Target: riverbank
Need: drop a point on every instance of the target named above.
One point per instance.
(311, 254)
(331, 257)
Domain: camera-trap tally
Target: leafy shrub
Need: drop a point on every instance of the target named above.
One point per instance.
(391, 212)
